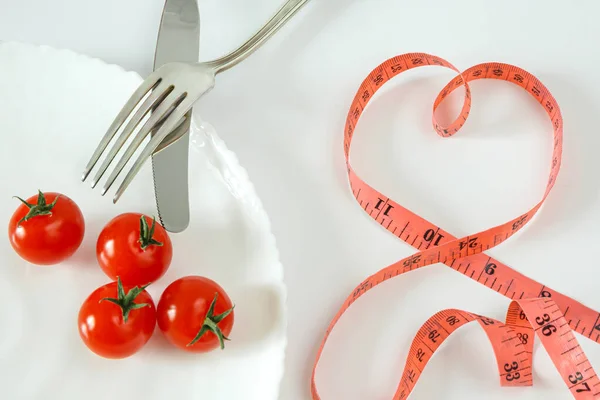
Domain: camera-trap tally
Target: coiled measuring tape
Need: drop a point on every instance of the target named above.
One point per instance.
(535, 310)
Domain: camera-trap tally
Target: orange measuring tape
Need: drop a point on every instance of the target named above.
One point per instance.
(535, 310)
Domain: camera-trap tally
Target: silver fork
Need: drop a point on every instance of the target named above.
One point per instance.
(171, 91)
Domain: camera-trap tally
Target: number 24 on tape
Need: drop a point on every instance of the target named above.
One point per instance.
(535, 310)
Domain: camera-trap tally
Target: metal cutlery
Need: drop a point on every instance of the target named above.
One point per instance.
(178, 40)
(170, 92)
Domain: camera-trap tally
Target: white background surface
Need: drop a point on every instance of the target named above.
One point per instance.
(282, 111)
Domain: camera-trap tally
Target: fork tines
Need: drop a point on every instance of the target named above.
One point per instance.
(159, 99)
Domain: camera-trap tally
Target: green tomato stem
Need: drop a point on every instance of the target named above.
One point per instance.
(126, 301)
(41, 208)
(211, 324)
(146, 234)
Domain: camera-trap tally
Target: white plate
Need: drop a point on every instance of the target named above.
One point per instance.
(54, 107)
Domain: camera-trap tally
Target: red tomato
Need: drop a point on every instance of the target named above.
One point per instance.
(195, 314)
(128, 248)
(47, 228)
(117, 321)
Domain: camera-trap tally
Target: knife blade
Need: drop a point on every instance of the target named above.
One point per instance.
(178, 40)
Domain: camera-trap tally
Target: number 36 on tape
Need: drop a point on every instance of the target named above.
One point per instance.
(535, 310)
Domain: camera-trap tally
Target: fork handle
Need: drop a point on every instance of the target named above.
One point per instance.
(286, 11)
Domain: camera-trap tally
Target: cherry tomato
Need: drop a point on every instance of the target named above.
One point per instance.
(127, 247)
(116, 321)
(195, 314)
(46, 228)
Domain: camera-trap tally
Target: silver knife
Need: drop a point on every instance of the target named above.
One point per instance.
(178, 40)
